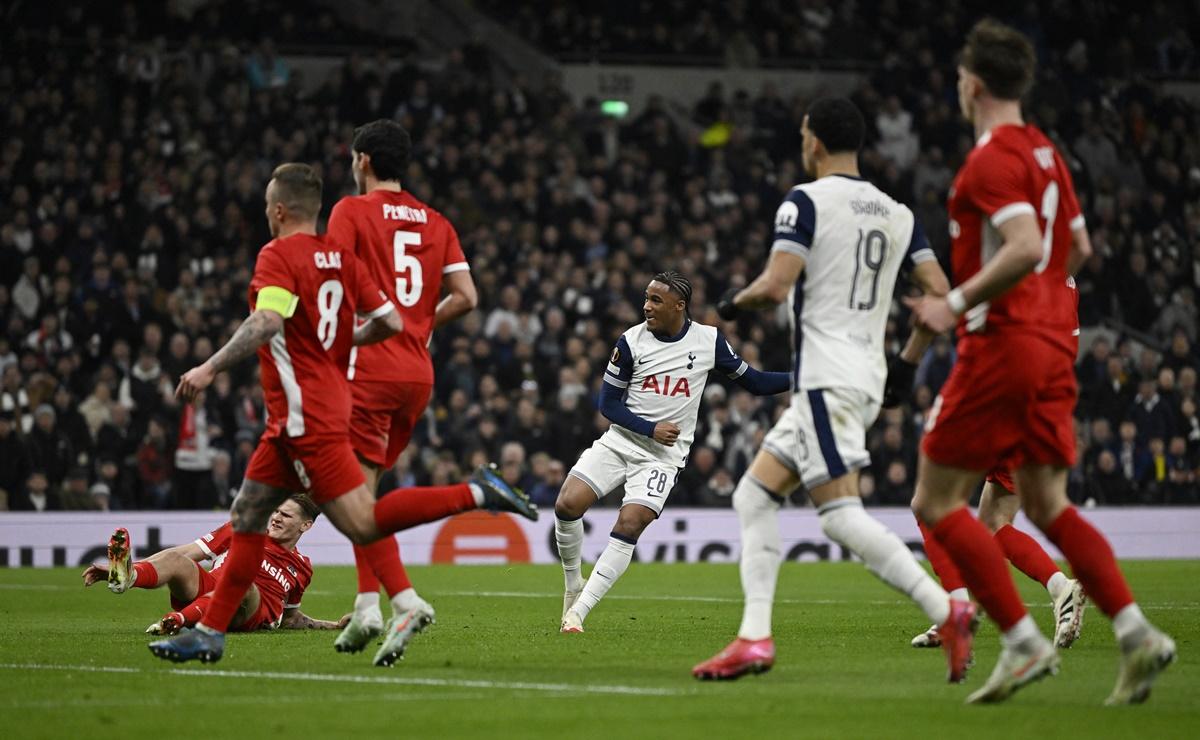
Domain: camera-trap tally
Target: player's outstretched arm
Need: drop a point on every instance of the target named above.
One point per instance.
(294, 619)
(461, 298)
(378, 328)
(255, 331)
(768, 290)
(758, 382)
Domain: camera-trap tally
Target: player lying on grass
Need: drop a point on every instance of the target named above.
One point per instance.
(305, 296)
(273, 600)
(998, 507)
(651, 394)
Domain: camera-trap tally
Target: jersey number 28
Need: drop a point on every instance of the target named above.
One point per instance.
(409, 278)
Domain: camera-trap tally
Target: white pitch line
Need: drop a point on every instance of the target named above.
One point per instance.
(359, 679)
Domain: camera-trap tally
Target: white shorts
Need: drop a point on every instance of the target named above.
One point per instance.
(823, 434)
(646, 481)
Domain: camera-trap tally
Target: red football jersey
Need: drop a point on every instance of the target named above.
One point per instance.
(304, 366)
(281, 579)
(408, 247)
(1016, 170)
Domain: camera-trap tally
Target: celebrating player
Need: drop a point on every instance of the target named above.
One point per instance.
(273, 600)
(839, 246)
(998, 507)
(651, 394)
(410, 250)
(303, 298)
(1014, 222)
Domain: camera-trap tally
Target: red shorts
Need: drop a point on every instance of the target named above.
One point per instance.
(1008, 402)
(1003, 478)
(260, 619)
(322, 466)
(383, 417)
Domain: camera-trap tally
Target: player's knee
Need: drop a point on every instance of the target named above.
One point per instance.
(569, 505)
(750, 496)
(993, 519)
(629, 529)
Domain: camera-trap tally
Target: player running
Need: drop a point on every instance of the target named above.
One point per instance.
(998, 507)
(1014, 222)
(651, 394)
(410, 250)
(304, 295)
(273, 600)
(839, 245)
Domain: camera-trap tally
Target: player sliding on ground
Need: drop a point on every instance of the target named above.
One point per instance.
(998, 507)
(651, 394)
(273, 600)
(304, 296)
(839, 245)
(1015, 225)
(411, 251)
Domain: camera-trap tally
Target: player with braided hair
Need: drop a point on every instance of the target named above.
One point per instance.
(651, 393)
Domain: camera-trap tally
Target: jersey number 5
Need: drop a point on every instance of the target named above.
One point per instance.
(408, 287)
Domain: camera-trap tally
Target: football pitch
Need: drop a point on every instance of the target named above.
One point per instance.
(73, 663)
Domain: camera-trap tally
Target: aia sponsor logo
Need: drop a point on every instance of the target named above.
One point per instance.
(664, 387)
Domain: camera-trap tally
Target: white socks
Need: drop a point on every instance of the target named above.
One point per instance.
(477, 492)
(960, 594)
(1130, 626)
(1057, 584)
(844, 521)
(405, 600)
(568, 535)
(366, 607)
(612, 563)
(1024, 630)
(758, 513)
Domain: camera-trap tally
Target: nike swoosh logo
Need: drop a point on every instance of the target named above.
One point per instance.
(642, 361)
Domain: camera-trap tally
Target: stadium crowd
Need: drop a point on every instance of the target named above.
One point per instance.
(131, 180)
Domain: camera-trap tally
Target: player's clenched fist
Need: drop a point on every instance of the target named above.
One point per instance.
(665, 433)
(194, 381)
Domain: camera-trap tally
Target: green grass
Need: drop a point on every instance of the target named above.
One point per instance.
(844, 666)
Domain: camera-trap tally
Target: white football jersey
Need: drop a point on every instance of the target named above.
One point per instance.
(664, 380)
(853, 238)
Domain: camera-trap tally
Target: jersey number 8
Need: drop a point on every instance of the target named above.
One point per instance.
(408, 288)
(329, 300)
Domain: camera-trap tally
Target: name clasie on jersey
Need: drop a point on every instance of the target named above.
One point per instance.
(328, 260)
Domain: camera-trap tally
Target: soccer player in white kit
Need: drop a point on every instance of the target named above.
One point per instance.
(839, 245)
(651, 394)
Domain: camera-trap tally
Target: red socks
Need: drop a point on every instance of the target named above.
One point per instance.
(147, 576)
(1091, 560)
(380, 561)
(237, 575)
(939, 560)
(1024, 552)
(982, 565)
(408, 507)
(194, 611)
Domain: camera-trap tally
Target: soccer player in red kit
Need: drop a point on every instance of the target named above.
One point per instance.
(1014, 222)
(412, 251)
(304, 296)
(273, 601)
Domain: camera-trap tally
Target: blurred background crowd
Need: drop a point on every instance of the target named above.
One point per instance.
(136, 148)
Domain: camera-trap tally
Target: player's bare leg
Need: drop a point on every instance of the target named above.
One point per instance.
(756, 499)
(940, 502)
(998, 509)
(1145, 650)
(249, 516)
(574, 499)
(612, 563)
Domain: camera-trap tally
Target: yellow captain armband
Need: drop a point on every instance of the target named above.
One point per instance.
(279, 300)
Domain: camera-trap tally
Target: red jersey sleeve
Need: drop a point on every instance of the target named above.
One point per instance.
(997, 185)
(454, 260)
(217, 541)
(271, 270)
(303, 578)
(369, 301)
(341, 230)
